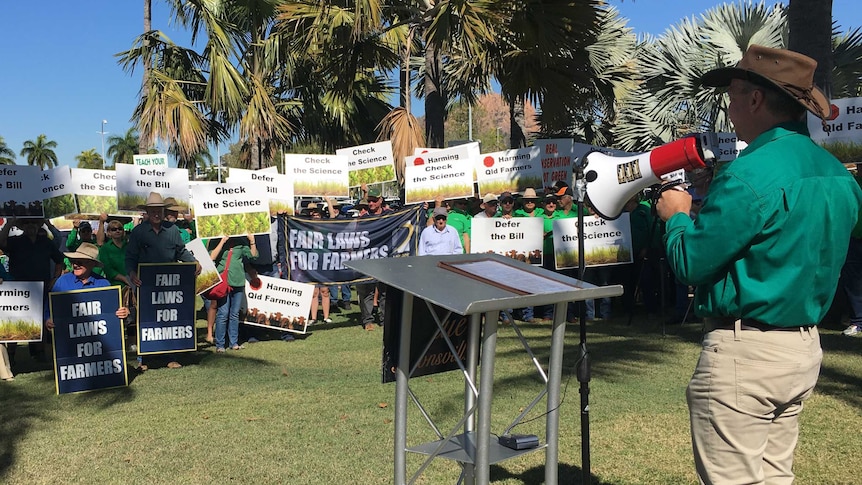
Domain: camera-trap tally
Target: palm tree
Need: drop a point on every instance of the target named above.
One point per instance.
(847, 64)
(90, 159)
(7, 156)
(40, 152)
(122, 149)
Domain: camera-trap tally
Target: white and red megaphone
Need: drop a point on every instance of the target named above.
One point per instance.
(611, 181)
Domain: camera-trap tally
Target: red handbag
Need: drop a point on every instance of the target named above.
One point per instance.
(221, 290)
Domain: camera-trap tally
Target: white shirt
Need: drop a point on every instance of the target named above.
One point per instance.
(437, 242)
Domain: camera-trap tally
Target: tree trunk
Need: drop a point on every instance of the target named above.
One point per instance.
(435, 100)
(145, 88)
(517, 123)
(810, 24)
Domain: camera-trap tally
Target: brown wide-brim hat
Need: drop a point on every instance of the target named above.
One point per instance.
(85, 251)
(153, 200)
(171, 204)
(788, 71)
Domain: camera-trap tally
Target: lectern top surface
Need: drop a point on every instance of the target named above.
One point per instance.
(473, 283)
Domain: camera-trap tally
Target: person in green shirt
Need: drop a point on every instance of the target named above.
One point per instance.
(461, 221)
(241, 249)
(765, 253)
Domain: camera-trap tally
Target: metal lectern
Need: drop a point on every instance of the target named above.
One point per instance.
(474, 285)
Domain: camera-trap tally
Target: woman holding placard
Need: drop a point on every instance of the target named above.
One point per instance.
(233, 253)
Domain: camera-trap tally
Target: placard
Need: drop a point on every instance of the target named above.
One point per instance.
(134, 184)
(166, 308)
(209, 275)
(843, 126)
(509, 171)
(369, 164)
(317, 175)
(21, 311)
(233, 209)
(89, 350)
(605, 242)
(95, 191)
(517, 238)
(556, 158)
(278, 304)
(278, 187)
(58, 193)
(151, 160)
(729, 146)
(22, 191)
(447, 173)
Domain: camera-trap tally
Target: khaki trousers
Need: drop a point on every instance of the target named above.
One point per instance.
(744, 402)
(5, 368)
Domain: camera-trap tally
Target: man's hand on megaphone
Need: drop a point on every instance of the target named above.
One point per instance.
(673, 200)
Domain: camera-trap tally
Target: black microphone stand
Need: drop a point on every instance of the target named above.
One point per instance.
(583, 366)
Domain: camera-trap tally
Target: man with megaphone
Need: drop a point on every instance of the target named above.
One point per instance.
(764, 253)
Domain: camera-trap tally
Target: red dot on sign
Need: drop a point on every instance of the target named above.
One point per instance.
(833, 111)
(488, 161)
(418, 161)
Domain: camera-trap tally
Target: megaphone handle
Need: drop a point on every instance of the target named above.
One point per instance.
(656, 194)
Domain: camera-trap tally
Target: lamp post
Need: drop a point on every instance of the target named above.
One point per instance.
(103, 142)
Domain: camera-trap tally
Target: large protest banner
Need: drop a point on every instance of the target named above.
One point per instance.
(58, 192)
(209, 275)
(88, 340)
(166, 308)
(439, 356)
(317, 175)
(509, 171)
(556, 158)
(605, 242)
(230, 210)
(317, 250)
(369, 164)
(22, 191)
(134, 184)
(277, 303)
(95, 191)
(518, 238)
(22, 312)
(278, 187)
(843, 126)
(447, 173)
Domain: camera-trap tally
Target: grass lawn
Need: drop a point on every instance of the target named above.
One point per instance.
(314, 411)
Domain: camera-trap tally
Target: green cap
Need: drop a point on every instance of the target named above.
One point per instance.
(374, 193)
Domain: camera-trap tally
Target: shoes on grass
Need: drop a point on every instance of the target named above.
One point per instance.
(220, 350)
(327, 320)
(369, 327)
(237, 347)
(174, 365)
(851, 330)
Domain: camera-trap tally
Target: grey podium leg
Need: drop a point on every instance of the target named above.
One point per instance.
(555, 372)
(401, 383)
(486, 388)
(472, 365)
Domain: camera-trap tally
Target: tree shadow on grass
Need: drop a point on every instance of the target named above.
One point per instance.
(20, 409)
(836, 382)
(536, 475)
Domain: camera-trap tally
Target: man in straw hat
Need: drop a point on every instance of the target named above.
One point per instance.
(765, 253)
(155, 241)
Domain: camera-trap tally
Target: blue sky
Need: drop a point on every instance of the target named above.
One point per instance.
(60, 76)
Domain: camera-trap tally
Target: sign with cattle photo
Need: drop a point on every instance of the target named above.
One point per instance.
(278, 304)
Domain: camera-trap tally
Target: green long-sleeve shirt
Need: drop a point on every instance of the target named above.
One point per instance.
(773, 232)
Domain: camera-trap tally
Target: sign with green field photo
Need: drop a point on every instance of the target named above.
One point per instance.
(447, 173)
(277, 186)
(232, 209)
(509, 171)
(369, 164)
(605, 242)
(95, 191)
(317, 175)
(21, 311)
(209, 275)
(58, 192)
(134, 184)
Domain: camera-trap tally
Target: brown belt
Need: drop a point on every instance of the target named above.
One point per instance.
(727, 323)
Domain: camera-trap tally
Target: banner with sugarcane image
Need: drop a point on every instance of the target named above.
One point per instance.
(509, 171)
(21, 311)
(317, 175)
(134, 184)
(447, 173)
(369, 164)
(605, 242)
(95, 191)
(58, 192)
(209, 275)
(277, 186)
(232, 209)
